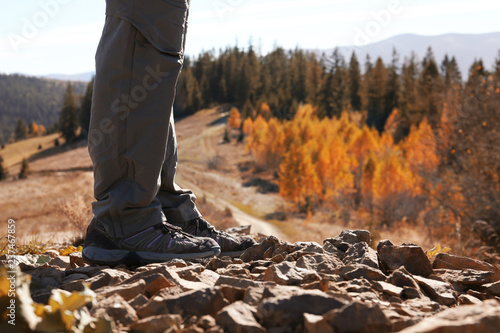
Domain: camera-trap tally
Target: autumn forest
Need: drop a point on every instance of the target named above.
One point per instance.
(413, 140)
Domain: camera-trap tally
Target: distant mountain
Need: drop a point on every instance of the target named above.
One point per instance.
(465, 47)
(31, 98)
(82, 77)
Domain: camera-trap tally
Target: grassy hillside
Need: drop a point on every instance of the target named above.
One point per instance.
(31, 98)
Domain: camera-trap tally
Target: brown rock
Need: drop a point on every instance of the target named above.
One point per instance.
(321, 263)
(157, 324)
(358, 317)
(468, 300)
(107, 277)
(411, 257)
(441, 292)
(76, 260)
(253, 295)
(387, 288)
(191, 303)
(492, 289)
(126, 291)
(116, 308)
(155, 283)
(74, 277)
(287, 273)
(262, 250)
(484, 318)
(241, 283)
(232, 294)
(361, 253)
(448, 261)
(316, 324)
(401, 278)
(60, 261)
(466, 277)
(239, 317)
(138, 301)
(221, 262)
(361, 271)
(206, 322)
(287, 310)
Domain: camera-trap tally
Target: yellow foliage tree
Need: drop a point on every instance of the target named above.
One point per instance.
(248, 126)
(234, 120)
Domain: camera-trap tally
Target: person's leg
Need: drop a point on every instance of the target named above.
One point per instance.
(178, 204)
(180, 208)
(128, 137)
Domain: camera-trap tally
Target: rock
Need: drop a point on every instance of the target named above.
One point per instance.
(411, 257)
(155, 283)
(441, 292)
(107, 277)
(487, 233)
(241, 283)
(74, 277)
(60, 261)
(448, 261)
(351, 237)
(387, 288)
(126, 291)
(157, 324)
(116, 308)
(361, 253)
(316, 324)
(361, 271)
(483, 318)
(253, 295)
(51, 253)
(221, 262)
(262, 250)
(76, 260)
(287, 310)
(468, 300)
(191, 303)
(492, 288)
(206, 322)
(287, 273)
(401, 278)
(239, 317)
(321, 263)
(138, 301)
(307, 247)
(466, 278)
(358, 317)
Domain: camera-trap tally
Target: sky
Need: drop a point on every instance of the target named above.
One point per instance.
(39, 37)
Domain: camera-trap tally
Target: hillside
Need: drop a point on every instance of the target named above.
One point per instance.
(31, 98)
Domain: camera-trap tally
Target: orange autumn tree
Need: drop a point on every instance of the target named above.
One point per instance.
(234, 120)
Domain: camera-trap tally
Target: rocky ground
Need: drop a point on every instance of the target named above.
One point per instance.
(343, 285)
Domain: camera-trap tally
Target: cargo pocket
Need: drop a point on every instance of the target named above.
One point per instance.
(162, 22)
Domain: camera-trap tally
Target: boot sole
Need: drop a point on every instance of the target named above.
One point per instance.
(99, 256)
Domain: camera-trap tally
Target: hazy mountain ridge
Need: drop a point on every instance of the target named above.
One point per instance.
(465, 47)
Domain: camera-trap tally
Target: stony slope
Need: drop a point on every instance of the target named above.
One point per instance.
(343, 285)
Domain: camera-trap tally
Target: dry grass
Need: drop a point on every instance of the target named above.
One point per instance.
(14, 153)
(34, 245)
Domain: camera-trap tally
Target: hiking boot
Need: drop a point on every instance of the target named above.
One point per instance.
(158, 243)
(231, 246)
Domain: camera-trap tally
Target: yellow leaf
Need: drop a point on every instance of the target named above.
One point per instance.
(40, 309)
(70, 249)
(433, 251)
(445, 250)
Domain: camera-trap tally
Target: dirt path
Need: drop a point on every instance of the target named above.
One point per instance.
(242, 218)
(222, 186)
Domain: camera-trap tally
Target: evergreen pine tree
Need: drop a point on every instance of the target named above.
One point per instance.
(23, 174)
(3, 171)
(67, 117)
(430, 87)
(354, 83)
(21, 131)
(85, 108)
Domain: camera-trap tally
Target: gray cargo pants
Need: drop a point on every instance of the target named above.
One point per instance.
(132, 137)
